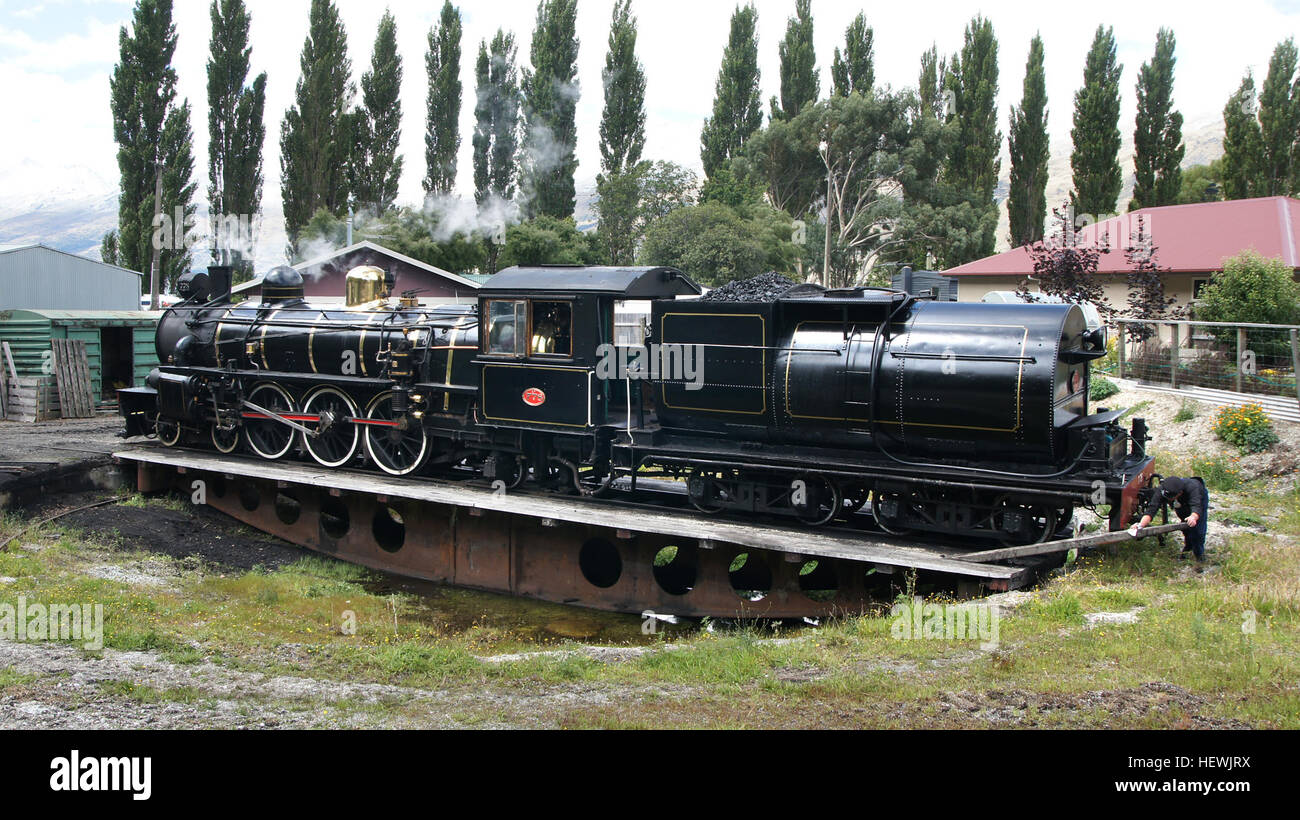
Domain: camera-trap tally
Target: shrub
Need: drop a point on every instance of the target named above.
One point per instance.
(1101, 387)
(1186, 413)
(1247, 427)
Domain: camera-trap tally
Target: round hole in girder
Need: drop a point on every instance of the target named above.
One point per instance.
(217, 485)
(675, 569)
(287, 506)
(817, 580)
(600, 562)
(249, 498)
(750, 576)
(389, 529)
(334, 519)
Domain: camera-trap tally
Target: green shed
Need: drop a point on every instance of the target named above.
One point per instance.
(119, 344)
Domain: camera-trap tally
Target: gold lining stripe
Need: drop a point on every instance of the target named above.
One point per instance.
(261, 340)
(483, 392)
(451, 352)
(790, 359)
(361, 347)
(762, 324)
(311, 346)
(220, 327)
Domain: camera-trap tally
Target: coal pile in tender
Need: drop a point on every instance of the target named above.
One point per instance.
(766, 287)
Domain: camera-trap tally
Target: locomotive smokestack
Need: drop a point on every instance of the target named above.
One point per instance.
(219, 282)
(907, 279)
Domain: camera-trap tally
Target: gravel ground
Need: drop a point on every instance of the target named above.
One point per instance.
(77, 691)
(1195, 437)
(60, 441)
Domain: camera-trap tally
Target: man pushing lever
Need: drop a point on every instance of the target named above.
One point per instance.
(1191, 502)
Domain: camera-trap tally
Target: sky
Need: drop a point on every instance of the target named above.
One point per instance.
(56, 57)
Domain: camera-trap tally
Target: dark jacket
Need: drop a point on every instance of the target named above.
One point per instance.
(1194, 498)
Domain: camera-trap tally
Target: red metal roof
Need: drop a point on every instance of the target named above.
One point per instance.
(1189, 238)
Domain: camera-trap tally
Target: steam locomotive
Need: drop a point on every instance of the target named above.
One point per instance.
(938, 417)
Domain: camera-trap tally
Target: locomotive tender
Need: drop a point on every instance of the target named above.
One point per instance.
(942, 417)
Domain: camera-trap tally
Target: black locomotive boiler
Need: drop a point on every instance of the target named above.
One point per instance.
(953, 418)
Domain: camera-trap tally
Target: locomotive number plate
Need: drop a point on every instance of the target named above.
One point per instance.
(534, 397)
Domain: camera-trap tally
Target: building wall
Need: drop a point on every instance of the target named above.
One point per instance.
(39, 278)
(328, 279)
(1177, 285)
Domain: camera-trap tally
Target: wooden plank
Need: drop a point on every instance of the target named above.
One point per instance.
(865, 547)
(9, 360)
(72, 376)
(1067, 544)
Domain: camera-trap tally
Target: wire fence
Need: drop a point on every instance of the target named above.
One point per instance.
(1245, 358)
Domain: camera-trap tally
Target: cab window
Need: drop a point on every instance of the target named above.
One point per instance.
(507, 327)
(552, 329)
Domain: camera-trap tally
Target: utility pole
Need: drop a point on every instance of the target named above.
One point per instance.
(156, 276)
(826, 254)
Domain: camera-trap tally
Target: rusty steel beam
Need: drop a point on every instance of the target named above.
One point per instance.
(578, 564)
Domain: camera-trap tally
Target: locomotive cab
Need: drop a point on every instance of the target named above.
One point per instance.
(548, 339)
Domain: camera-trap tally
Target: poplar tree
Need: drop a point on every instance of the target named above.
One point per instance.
(800, 78)
(317, 133)
(442, 124)
(1028, 144)
(143, 105)
(930, 92)
(974, 162)
(1095, 159)
(737, 110)
(550, 91)
(377, 167)
(622, 123)
(1158, 135)
(236, 132)
(496, 116)
(854, 69)
(1243, 175)
(1279, 120)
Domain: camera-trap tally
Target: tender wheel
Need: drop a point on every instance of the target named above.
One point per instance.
(269, 438)
(888, 523)
(706, 495)
(396, 446)
(168, 431)
(1040, 523)
(856, 497)
(821, 500)
(337, 437)
(226, 440)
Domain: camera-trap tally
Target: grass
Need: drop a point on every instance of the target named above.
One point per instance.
(851, 672)
(1186, 412)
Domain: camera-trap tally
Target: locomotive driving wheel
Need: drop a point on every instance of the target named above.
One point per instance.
(168, 431)
(225, 439)
(269, 438)
(337, 437)
(397, 444)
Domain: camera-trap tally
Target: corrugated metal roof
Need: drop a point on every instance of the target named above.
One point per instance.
(40, 277)
(83, 315)
(1192, 238)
